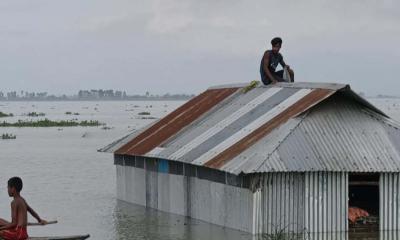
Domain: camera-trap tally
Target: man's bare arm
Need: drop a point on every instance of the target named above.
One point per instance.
(266, 67)
(13, 222)
(34, 214)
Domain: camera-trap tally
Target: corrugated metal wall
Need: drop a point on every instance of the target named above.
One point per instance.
(302, 202)
(389, 197)
(389, 235)
(294, 202)
(283, 203)
(326, 202)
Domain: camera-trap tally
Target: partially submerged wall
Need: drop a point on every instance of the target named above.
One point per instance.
(259, 203)
(209, 201)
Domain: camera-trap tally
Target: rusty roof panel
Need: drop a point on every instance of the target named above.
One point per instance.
(298, 107)
(229, 128)
(175, 121)
(211, 123)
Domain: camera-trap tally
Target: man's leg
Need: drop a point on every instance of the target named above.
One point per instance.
(3, 222)
(265, 80)
(279, 76)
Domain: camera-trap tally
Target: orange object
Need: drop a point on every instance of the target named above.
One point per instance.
(356, 213)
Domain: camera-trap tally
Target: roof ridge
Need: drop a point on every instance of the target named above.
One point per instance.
(312, 85)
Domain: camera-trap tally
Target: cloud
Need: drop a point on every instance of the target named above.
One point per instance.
(170, 16)
(103, 23)
(166, 44)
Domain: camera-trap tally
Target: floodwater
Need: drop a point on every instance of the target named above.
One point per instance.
(65, 178)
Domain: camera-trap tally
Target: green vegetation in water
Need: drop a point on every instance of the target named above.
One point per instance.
(145, 118)
(71, 113)
(6, 115)
(50, 123)
(144, 113)
(281, 233)
(283, 236)
(35, 114)
(6, 136)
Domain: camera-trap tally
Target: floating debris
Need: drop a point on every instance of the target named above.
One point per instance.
(35, 114)
(106, 128)
(144, 113)
(71, 113)
(6, 115)
(146, 118)
(6, 136)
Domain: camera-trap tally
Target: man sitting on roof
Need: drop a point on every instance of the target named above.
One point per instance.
(270, 61)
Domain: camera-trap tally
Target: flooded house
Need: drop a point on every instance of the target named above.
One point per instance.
(294, 156)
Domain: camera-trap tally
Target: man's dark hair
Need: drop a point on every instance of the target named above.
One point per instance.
(276, 41)
(15, 182)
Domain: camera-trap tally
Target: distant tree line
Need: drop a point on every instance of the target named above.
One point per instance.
(92, 94)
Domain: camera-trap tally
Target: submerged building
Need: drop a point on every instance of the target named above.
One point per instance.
(292, 156)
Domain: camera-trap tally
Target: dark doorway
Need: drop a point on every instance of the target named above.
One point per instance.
(364, 202)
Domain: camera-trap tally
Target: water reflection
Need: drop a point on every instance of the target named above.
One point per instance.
(136, 222)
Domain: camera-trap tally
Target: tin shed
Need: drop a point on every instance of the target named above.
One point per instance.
(293, 156)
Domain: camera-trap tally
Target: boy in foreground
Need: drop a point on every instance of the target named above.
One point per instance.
(17, 228)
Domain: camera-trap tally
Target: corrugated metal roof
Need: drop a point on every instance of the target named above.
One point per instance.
(266, 129)
(175, 121)
(346, 139)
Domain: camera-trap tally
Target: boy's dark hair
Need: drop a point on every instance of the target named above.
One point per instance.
(276, 41)
(15, 182)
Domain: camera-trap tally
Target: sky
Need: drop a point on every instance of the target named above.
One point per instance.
(186, 46)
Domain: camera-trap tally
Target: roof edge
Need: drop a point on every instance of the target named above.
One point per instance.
(363, 102)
